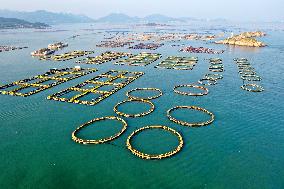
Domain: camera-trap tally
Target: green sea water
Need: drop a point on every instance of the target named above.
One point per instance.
(243, 148)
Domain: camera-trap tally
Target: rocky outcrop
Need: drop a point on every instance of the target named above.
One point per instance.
(252, 34)
(244, 39)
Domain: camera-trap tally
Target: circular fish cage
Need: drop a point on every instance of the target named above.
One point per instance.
(99, 141)
(154, 156)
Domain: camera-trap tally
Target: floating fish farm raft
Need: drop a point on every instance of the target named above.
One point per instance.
(215, 65)
(51, 49)
(103, 58)
(10, 48)
(67, 56)
(205, 50)
(96, 89)
(149, 46)
(33, 85)
(114, 44)
(178, 63)
(141, 59)
(248, 74)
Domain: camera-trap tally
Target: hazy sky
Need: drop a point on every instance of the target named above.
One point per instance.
(243, 10)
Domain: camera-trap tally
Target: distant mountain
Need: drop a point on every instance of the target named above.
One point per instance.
(14, 23)
(159, 18)
(46, 17)
(185, 19)
(118, 18)
(154, 18)
(123, 18)
(51, 18)
(219, 20)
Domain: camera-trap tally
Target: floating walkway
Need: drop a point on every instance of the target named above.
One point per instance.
(103, 58)
(96, 89)
(178, 63)
(33, 85)
(141, 59)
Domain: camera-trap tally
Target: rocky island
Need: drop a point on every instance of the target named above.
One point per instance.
(244, 39)
(14, 23)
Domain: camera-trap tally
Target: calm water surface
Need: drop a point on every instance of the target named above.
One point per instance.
(243, 148)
